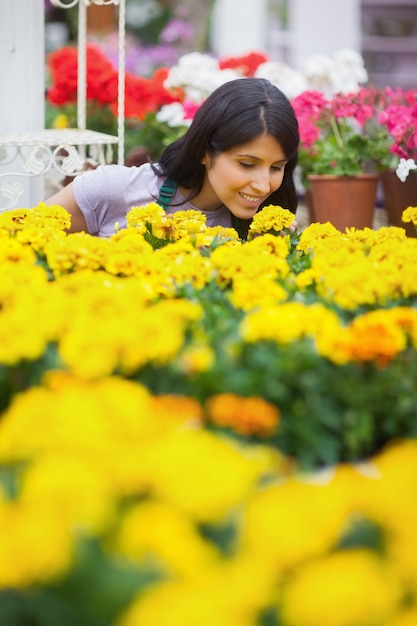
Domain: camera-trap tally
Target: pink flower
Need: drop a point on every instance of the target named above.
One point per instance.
(190, 109)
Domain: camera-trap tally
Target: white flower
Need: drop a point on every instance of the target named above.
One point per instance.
(342, 73)
(291, 82)
(349, 72)
(198, 74)
(318, 70)
(404, 167)
(173, 115)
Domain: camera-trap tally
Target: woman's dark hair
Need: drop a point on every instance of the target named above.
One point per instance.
(235, 113)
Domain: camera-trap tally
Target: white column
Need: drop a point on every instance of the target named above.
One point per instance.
(323, 26)
(22, 77)
(239, 27)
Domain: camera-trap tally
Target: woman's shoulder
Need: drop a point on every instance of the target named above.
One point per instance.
(144, 172)
(115, 179)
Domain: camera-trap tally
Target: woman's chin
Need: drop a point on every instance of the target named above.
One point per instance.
(245, 214)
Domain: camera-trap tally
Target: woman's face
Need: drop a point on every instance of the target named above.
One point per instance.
(243, 177)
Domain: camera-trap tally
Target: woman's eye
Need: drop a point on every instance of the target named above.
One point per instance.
(247, 165)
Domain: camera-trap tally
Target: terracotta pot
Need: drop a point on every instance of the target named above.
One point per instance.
(398, 196)
(344, 201)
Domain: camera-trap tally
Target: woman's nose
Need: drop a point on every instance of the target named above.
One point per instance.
(262, 182)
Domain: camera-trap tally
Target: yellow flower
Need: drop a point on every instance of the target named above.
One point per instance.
(61, 121)
(224, 236)
(250, 261)
(349, 588)
(125, 263)
(288, 523)
(25, 295)
(14, 251)
(128, 254)
(407, 617)
(76, 417)
(38, 238)
(231, 594)
(151, 213)
(196, 358)
(271, 218)
(279, 246)
(247, 294)
(315, 233)
(182, 472)
(35, 547)
(410, 215)
(387, 500)
(187, 222)
(157, 533)
(288, 322)
(41, 216)
(75, 488)
(77, 251)
(185, 264)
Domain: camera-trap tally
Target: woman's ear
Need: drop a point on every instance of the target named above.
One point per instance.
(207, 160)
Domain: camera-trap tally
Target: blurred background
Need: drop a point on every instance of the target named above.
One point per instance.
(160, 31)
(39, 39)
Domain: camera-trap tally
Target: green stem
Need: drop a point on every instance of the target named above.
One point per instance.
(336, 131)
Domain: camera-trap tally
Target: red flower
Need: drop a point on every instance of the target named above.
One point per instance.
(142, 95)
(62, 65)
(246, 64)
(146, 95)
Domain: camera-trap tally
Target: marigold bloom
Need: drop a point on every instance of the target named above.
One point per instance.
(270, 219)
(152, 213)
(316, 232)
(331, 591)
(288, 523)
(177, 409)
(247, 416)
(77, 251)
(288, 322)
(375, 337)
(35, 547)
(410, 215)
(182, 472)
(158, 532)
(248, 295)
(407, 617)
(230, 594)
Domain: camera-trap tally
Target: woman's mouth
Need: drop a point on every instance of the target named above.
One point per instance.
(252, 199)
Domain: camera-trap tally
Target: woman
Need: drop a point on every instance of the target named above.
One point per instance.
(237, 156)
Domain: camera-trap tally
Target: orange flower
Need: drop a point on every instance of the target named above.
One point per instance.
(177, 409)
(377, 337)
(247, 416)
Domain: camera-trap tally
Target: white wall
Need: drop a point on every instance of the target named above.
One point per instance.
(323, 26)
(239, 26)
(315, 26)
(22, 81)
(22, 65)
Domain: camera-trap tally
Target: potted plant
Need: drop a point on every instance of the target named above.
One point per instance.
(398, 117)
(340, 155)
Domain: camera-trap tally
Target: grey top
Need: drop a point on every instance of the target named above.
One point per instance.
(105, 195)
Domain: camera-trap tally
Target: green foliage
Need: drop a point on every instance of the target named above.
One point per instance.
(95, 591)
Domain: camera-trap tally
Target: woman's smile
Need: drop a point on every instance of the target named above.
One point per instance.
(245, 196)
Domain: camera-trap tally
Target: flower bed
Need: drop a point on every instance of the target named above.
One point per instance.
(201, 430)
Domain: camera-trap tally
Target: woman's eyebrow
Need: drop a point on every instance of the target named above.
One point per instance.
(252, 156)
